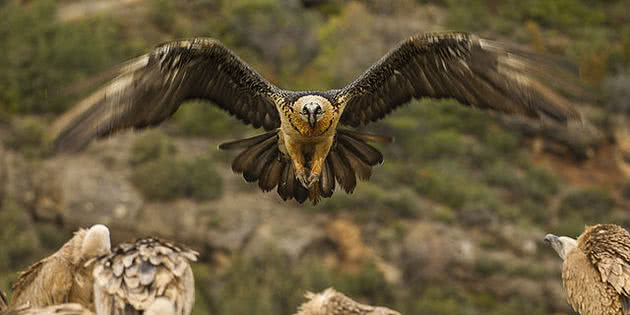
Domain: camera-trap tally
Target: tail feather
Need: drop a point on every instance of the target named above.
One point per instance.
(364, 151)
(300, 193)
(366, 137)
(246, 159)
(285, 186)
(271, 175)
(343, 173)
(327, 181)
(264, 160)
(247, 142)
(350, 157)
(360, 167)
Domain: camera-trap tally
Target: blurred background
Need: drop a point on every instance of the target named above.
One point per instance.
(452, 223)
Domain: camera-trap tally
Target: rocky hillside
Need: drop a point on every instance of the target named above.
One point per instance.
(451, 223)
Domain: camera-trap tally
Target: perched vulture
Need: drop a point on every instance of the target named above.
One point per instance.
(161, 306)
(59, 309)
(63, 276)
(137, 275)
(305, 152)
(331, 302)
(596, 269)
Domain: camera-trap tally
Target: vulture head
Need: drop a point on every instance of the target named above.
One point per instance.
(561, 244)
(96, 242)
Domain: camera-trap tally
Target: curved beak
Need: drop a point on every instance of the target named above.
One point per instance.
(312, 119)
(550, 239)
(313, 110)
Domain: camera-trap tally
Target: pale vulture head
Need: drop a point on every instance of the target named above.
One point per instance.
(96, 242)
(562, 245)
(332, 302)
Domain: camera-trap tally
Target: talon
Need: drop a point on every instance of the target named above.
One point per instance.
(312, 180)
(301, 177)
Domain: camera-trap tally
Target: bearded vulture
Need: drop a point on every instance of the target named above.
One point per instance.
(305, 153)
(63, 277)
(596, 269)
(137, 275)
(332, 302)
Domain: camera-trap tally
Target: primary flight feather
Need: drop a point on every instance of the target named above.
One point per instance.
(305, 153)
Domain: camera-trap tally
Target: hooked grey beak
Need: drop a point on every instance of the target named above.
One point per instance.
(313, 110)
(550, 239)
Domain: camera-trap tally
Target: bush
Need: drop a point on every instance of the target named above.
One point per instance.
(42, 56)
(592, 205)
(20, 242)
(152, 145)
(168, 178)
(201, 118)
(28, 136)
(279, 285)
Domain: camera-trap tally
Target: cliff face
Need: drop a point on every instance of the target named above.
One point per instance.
(452, 222)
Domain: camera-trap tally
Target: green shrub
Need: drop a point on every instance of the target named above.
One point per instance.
(272, 284)
(169, 178)
(162, 14)
(200, 118)
(42, 56)
(20, 242)
(28, 136)
(592, 205)
(203, 182)
(152, 145)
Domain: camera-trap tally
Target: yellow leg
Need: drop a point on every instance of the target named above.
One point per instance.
(294, 150)
(319, 156)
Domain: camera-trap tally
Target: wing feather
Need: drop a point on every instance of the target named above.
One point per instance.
(151, 88)
(475, 71)
(608, 249)
(134, 275)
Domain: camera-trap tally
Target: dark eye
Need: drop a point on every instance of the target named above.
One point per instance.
(304, 111)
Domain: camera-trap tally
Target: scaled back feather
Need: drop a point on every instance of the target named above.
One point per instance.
(137, 274)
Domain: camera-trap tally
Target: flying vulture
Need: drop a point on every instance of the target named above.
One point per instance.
(63, 277)
(137, 275)
(305, 152)
(332, 302)
(596, 269)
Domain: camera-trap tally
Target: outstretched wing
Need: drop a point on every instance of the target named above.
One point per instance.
(474, 71)
(150, 88)
(608, 249)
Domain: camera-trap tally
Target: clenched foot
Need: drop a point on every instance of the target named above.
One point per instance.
(307, 182)
(301, 177)
(313, 179)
